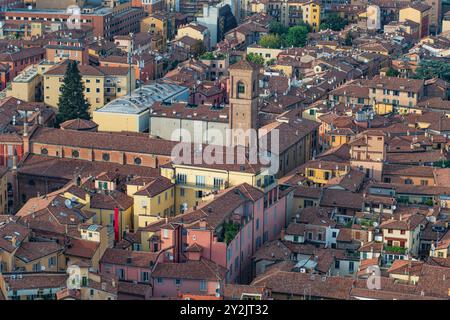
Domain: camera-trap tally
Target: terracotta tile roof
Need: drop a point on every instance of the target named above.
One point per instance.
(111, 200)
(415, 157)
(36, 280)
(307, 192)
(223, 205)
(30, 251)
(351, 89)
(273, 251)
(376, 247)
(405, 170)
(352, 181)
(154, 187)
(296, 229)
(407, 223)
(318, 216)
(394, 83)
(422, 7)
(129, 258)
(85, 70)
(374, 294)
(341, 198)
(64, 168)
(338, 154)
(302, 284)
(139, 143)
(236, 291)
(202, 269)
(81, 248)
(345, 235)
(10, 230)
(403, 267)
(244, 65)
(434, 281)
(78, 124)
(291, 130)
(194, 248)
(136, 290)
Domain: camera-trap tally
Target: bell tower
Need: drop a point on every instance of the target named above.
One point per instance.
(243, 101)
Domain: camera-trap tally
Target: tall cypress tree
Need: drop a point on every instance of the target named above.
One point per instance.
(72, 103)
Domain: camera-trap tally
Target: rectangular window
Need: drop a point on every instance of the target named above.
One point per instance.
(218, 183)
(203, 285)
(52, 261)
(120, 273)
(200, 180)
(144, 276)
(351, 266)
(181, 178)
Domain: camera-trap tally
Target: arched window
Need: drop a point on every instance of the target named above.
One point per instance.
(137, 161)
(75, 153)
(240, 88)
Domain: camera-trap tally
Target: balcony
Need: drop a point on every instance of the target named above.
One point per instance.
(192, 185)
(395, 250)
(228, 232)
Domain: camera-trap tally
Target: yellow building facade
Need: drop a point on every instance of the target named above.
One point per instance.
(100, 86)
(194, 184)
(311, 15)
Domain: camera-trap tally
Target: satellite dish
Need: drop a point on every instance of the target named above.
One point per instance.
(375, 224)
(68, 203)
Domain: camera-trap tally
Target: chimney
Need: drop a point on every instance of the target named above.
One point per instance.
(14, 241)
(14, 160)
(25, 128)
(40, 119)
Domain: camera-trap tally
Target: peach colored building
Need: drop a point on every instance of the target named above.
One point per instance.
(368, 151)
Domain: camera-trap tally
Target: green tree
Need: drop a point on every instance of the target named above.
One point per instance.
(277, 28)
(297, 36)
(432, 68)
(348, 40)
(72, 103)
(198, 48)
(334, 22)
(255, 58)
(272, 41)
(392, 73)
